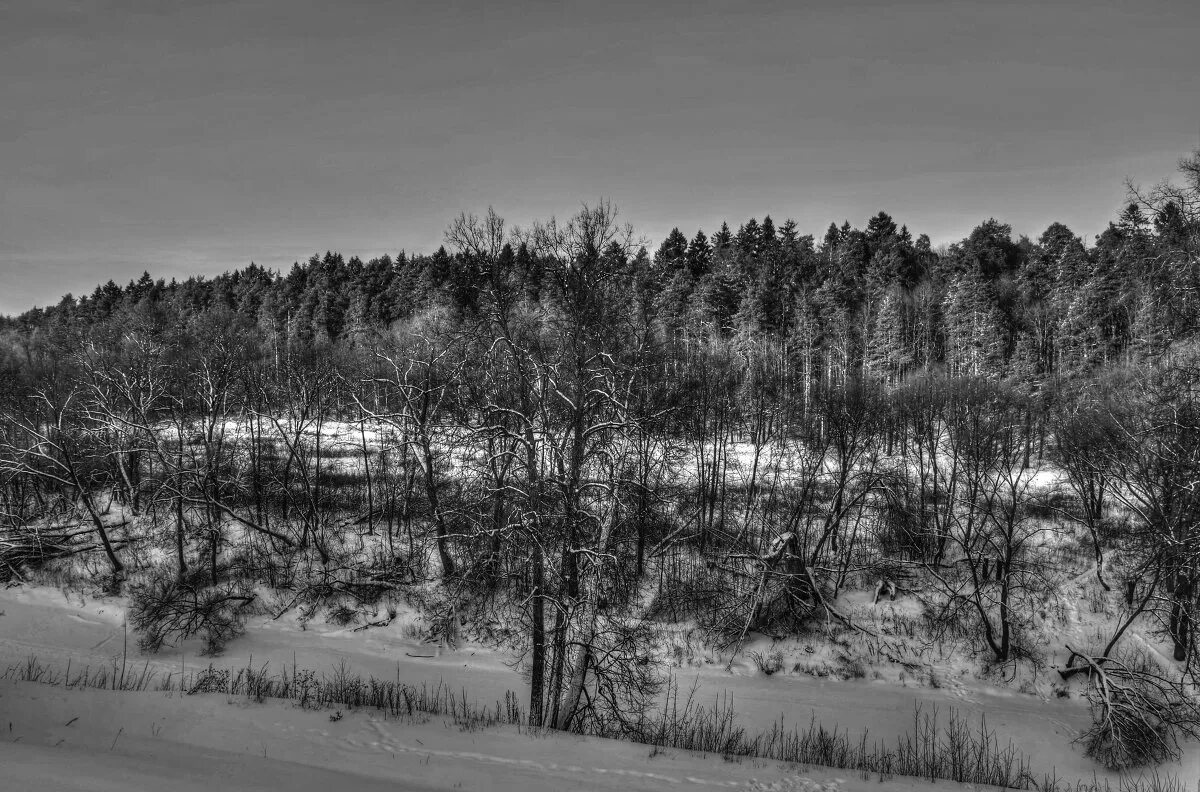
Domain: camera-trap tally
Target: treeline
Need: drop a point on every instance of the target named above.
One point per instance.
(873, 302)
(575, 438)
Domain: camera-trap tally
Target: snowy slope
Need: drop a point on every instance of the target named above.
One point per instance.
(59, 629)
(60, 739)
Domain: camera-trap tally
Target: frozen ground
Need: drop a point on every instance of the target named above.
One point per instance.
(60, 739)
(142, 740)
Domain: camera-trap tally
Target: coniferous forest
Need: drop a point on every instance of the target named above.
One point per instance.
(565, 440)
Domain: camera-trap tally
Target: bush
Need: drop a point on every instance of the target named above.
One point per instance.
(770, 663)
(165, 608)
(854, 668)
(342, 615)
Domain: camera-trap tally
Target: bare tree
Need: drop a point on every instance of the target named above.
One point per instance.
(1078, 435)
(993, 563)
(563, 400)
(423, 365)
(52, 439)
(1151, 451)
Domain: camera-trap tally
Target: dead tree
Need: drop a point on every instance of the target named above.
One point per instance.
(1140, 713)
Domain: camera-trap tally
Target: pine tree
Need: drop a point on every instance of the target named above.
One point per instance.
(722, 240)
(1151, 336)
(881, 231)
(747, 241)
(830, 241)
(718, 295)
(699, 255)
(887, 356)
(671, 257)
(975, 337)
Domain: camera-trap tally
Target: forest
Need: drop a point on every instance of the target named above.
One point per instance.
(560, 439)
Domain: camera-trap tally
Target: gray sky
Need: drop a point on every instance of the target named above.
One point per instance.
(194, 137)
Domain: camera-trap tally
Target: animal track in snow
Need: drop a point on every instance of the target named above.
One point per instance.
(386, 743)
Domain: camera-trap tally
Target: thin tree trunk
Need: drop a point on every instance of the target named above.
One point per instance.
(85, 496)
(362, 431)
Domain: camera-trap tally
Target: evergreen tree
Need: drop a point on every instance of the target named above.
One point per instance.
(671, 256)
(887, 356)
(699, 256)
(975, 335)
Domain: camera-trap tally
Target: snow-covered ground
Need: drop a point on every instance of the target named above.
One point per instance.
(150, 738)
(68, 739)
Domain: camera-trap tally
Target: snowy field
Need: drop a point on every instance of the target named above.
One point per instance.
(57, 738)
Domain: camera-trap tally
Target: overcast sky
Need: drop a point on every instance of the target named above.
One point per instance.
(194, 137)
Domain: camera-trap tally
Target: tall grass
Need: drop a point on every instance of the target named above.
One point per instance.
(936, 749)
(307, 688)
(116, 676)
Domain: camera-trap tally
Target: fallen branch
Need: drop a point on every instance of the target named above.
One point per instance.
(381, 623)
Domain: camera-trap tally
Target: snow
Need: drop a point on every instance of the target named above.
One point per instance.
(88, 739)
(143, 740)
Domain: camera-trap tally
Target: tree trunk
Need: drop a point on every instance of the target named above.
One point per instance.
(1180, 621)
(435, 508)
(589, 620)
(130, 489)
(362, 431)
(85, 496)
(537, 662)
(180, 527)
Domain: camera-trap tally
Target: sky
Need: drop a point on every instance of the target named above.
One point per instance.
(194, 137)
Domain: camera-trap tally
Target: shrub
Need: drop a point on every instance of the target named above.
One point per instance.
(341, 615)
(768, 663)
(855, 668)
(165, 608)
